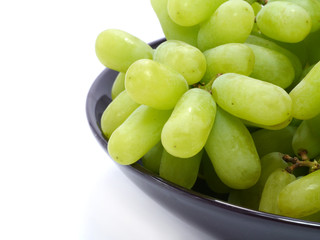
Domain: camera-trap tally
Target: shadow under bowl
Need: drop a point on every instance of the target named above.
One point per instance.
(211, 214)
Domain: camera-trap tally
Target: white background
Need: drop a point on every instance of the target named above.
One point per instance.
(56, 182)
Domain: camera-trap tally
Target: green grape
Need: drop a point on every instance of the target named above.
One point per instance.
(271, 66)
(256, 7)
(296, 63)
(230, 57)
(181, 171)
(277, 181)
(137, 134)
(232, 152)
(116, 113)
(315, 217)
(118, 85)
(187, 129)
(117, 49)
(154, 84)
(284, 21)
(306, 95)
(252, 99)
(313, 9)
(171, 30)
(279, 126)
(301, 197)
(250, 198)
(312, 47)
(211, 177)
(190, 12)
(231, 22)
(268, 141)
(307, 137)
(182, 57)
(152, 159)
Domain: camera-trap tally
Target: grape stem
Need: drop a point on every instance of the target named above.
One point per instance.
(296, 162)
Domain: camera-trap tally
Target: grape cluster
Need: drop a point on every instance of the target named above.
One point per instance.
(231, 96)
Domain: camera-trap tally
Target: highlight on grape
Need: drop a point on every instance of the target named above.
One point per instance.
(231, 96)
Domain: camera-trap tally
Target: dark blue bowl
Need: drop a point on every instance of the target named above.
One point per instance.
(211, 214)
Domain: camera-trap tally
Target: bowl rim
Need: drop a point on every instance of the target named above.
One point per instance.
(138, 169)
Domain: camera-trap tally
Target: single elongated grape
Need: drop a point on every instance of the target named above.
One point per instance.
(250, 197)
(272, 66)
(313, 9)
(307, 137)
(152, 159)
(171, 30)
(268, 141)
(231, 22)
(190, 12)
(181, 171)
(182, 57)
(154, 84)
(252, 99)
(295, 61)
(117, 49)
(211, 177)
(118, 85)
(306, 95)
(277, 181)
(232, 152)
(230, 57)
(284, 21)
(301, 197)
(116, 113)
(137, 134)
(187, 129)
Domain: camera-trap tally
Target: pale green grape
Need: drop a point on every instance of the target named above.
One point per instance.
(152, 159)
(250, 197)
(296, 63)
(187, 130)
(230, 57)
(211, 177)
(232, 152)
(306, 95)
(312, 7)
(301, 197)
(256, 7)
(268, 141)
(154, 84)
(171, 30)
(181, 171)
(252, 99)
(117, 49)
(278, 126)
(284, 21)
(307, 137)
(190, 12)
(271, 66)
(118, 85)
(182, 57)
(231, 22)
(137, 134)
(277, 181)
(116, 113)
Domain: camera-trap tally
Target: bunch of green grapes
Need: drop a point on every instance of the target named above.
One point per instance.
(231, 96)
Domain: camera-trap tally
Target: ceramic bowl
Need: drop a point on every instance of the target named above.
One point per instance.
(196, 206)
